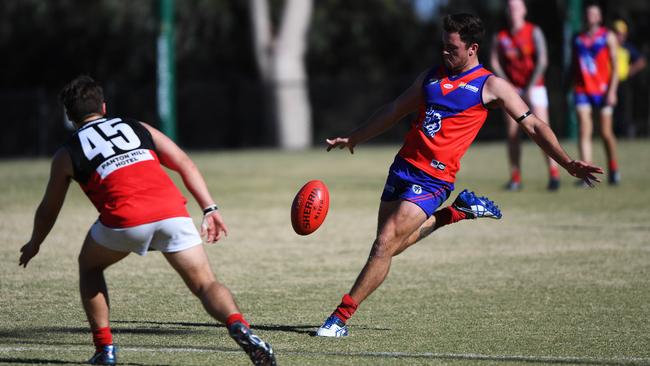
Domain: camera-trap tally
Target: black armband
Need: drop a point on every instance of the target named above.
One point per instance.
(523, 116)
(209, 209)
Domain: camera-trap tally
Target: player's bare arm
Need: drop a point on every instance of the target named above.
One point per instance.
(500, 92)
(174, 158)
(495, 60)
(612, 44)
(541, 60)
(50, 206)
(384, 118)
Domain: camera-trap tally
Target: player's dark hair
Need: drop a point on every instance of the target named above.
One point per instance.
(591, 3)
(81, 98)
(469, 27)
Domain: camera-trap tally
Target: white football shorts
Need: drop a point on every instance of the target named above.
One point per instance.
(537, 96)
(168, 236)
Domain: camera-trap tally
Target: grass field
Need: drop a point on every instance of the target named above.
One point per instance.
(563, 278)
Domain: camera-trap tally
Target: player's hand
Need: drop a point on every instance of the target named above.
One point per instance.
(341, 143)
(213, 227)
(28, 251)
(584, 171)
(612, 98)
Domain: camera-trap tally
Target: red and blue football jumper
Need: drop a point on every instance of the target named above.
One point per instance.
(450, 117)
(594, 67)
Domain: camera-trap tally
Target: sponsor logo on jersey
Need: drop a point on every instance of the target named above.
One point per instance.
(416, 189)
(469, 87)
(438, 165)
(433, 81)
(123, 160)
(448, 86)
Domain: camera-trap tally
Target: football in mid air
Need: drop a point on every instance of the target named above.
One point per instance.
(310, 207)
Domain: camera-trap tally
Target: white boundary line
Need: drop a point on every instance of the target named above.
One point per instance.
(432, 355)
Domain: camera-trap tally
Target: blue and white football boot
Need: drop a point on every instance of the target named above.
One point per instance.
(476, 207)
(106, 356)
(333, 327)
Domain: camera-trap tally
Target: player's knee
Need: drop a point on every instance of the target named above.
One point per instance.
(606, 133)
(201, 288)
(384, 246)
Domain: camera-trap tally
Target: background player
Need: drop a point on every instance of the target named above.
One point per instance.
(519, 55)
(117, 163)
(594, 65)
(630, 62)
(453, 101)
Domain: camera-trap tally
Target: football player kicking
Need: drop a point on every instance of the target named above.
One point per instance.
(117, 163)
(453, 101)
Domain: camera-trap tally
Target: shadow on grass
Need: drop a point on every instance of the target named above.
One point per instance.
(303, 329)
(309, 329)
(33, 361)
(38, 332)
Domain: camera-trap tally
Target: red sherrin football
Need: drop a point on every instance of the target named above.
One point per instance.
(310, 207)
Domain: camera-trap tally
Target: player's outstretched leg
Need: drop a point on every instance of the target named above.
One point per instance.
(193, 266)
(259, 351)
(476, 207)
(107, 355)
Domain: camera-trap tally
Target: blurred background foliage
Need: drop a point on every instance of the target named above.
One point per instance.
(361, 54)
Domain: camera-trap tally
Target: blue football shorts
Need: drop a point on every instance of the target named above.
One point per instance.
(409, 183)
(593, 100)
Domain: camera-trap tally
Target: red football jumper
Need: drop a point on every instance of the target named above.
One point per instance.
(518, 53)
(116, 165)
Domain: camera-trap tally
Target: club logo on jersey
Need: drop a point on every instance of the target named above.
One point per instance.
(432, 122)
(588, 63)
(416, 189)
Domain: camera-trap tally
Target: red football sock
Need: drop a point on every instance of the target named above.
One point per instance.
(554, 172)
(236, 317)
(613, 165)
(448, 215)
(515, 176)
(346, 308)
(102, 337)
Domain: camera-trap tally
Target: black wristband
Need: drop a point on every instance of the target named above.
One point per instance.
(523, 116)
(209, 209)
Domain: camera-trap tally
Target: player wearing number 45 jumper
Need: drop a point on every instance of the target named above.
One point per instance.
(117, 162)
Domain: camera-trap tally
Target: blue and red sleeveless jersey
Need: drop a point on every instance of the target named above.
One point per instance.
(450, 117)
(517, 52)
(116, 165)
(594, 69)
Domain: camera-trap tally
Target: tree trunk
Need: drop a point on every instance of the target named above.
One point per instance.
(280, 60)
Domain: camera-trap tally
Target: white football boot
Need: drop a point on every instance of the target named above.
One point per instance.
(333, 327)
